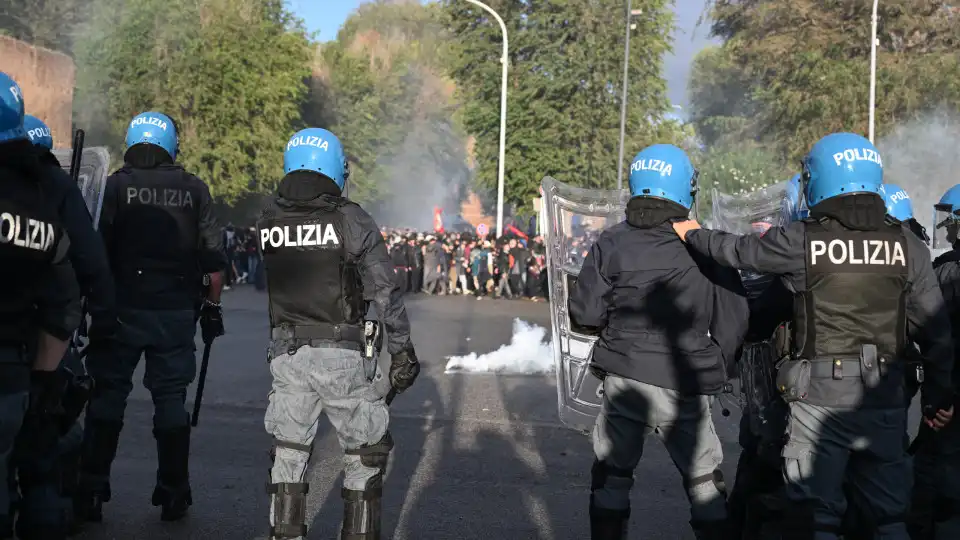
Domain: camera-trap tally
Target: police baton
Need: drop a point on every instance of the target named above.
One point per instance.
(77, 155)
(198, 398)
(390, 396)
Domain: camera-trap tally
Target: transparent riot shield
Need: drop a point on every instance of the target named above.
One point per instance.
(574, 218)
(94, 169)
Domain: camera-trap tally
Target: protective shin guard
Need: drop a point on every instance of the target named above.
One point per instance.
(173, 473)
(98, 451)
(606, 524)
(289, 510)
(361, 514)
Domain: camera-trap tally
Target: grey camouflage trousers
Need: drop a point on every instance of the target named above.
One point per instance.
(315, 380)
(632, 410)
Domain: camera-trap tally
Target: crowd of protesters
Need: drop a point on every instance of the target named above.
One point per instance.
(459, 263)
(511, 267)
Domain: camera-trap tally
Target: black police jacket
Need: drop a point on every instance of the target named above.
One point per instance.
(161, 237)
(789, 253)
(667, 316)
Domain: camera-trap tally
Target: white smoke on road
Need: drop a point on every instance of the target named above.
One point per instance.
(921, 157)
(528, 353)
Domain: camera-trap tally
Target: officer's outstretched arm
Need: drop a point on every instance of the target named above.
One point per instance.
(589, 297)
(58, 304)
(365, 244)
(928, 324)
(779, 251)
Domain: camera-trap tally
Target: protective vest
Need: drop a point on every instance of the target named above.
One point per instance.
(155, 249)
(310, 281)
(29, 234)
(855, 294)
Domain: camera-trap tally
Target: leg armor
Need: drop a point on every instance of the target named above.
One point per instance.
(361, 509)
(709, 529)
(610, 487)
(288, 506)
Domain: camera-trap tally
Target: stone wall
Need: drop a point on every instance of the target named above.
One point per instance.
(47, 80)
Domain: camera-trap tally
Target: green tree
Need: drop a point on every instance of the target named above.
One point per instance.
(386, 95)
(45, 23)
(566, 72)
(803, 68)
(231, 72)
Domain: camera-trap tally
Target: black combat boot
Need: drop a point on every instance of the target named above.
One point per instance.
(98, 451)
(361, 513)
(606, 524)
(173, 473)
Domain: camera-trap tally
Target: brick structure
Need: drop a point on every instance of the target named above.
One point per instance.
(47, 80)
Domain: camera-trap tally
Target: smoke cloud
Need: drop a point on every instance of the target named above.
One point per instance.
(922, 157)
(528, 353)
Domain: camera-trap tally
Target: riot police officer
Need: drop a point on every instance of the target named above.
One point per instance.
(325, 260)
(89, 261)
(39, 301)
(161, 239)
(935, 504)
(755, 500)
(669, 327)
(861, 288)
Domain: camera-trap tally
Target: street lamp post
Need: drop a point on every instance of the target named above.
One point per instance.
(503, 112)
(873, 67)
(623, 98)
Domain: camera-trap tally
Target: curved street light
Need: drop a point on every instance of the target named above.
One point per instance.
(503, 112)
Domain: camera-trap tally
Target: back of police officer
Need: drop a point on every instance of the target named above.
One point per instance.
(161, 239)
(935, 504)
(48, 480)
(39, 307)
(863, 288)
(669, 322)
(326, 261)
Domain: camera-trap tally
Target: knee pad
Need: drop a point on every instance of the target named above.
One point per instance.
(375, 456)
(289, 509)
(619, 481)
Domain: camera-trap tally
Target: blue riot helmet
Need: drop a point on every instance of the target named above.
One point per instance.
(317, 150)
(11, 110)
(665, 172)
(156, 129)
(841, 164)
(38, 132)
(897, 201)
(947, 218)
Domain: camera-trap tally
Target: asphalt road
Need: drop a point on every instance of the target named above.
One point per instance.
(477, 456)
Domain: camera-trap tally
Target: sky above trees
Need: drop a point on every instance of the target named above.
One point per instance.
(327, 16)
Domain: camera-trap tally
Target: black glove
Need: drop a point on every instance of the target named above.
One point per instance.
(211, 321)
(404, 369)
(46, 394)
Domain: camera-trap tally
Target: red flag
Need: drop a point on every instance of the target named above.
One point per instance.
(437, 220)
